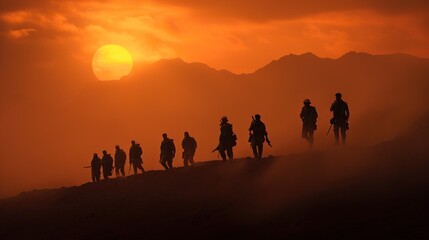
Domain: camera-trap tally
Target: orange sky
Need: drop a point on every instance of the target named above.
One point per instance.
(240, 36)
(54, 114)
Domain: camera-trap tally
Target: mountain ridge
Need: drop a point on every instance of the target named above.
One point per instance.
(351, 55)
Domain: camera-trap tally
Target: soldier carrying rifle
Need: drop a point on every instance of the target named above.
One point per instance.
(257, 136)
(189, 146)
(227, 139)
(168, 152)
(341, 113)
(95, 168)
(308, 116)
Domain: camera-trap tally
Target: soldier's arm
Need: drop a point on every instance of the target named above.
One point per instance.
(173, 147)
(251, 127)
(332, 107)
(347, 112)
(264, 130)
(301, 115)
(315, 114)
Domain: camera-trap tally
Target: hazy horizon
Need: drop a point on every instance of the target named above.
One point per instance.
(55, 113)
(66, 129)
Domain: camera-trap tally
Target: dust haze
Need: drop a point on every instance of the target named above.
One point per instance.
(50, 129)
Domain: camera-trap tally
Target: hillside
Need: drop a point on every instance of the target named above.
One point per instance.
(376, 192)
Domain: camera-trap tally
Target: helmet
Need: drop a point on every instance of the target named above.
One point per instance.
(257, 116)
(224, 119)
(307, 101)
(338, 95)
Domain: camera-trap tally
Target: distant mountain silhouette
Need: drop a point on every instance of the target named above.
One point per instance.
(386, 93)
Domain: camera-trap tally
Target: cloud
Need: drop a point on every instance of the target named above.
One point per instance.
(240, 35)
(262, 10)
(21, 33)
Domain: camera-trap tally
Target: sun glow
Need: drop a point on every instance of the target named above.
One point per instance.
(111, 62)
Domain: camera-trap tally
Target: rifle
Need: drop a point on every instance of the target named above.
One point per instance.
(268, 141)
(87, 167)
(332, 123)
(216, 149)
(329, 129)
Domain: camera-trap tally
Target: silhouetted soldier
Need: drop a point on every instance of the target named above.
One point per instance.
(107, 163)
(340, 120)
(95, 168)
(309, 118)
(258, 135)
(168, 151)
(120, 159)
(227, 139)
(189, 146)
(136, 157)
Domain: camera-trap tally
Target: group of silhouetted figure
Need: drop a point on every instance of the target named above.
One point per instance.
(227, 140)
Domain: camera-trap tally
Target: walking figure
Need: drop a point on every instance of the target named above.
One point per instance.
(168, 152)
(107, 163)
(95, 168)
(309, 118)
(189, 146)
(341, 115)
(120, 159)
(257, 136)
(136, 157)
(227, 139)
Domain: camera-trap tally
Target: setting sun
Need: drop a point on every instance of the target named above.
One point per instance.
(111, 62)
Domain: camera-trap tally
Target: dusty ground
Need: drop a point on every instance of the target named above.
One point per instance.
(378, 192)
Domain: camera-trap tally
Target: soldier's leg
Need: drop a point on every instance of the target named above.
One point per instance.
(116, 171)
(337, 133)
(191, 158)
(260, 150)
(122, 168)
(135, 166)
(97, 176)
(343, 132)
(230, 153)
(93, 176)
(185, 159)
(304, 132)
(310, 137)
(164, 164)
(141, 167)
(170, 163)
(255, 151)
(222, 154)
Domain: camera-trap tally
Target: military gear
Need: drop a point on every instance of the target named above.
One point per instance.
(308, 116)
(95, 168)
(227, 140)
(168, 152)
(258, 135)
(189, 146)
(107, 163)
(341, 114)
(136, 157)
(120, 159)
(307, 101)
